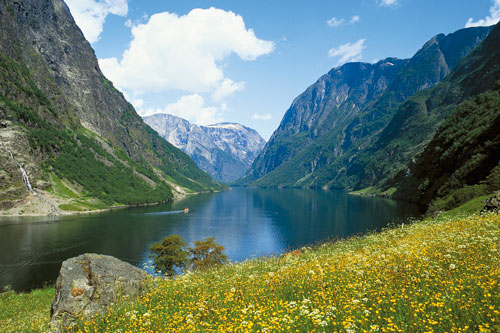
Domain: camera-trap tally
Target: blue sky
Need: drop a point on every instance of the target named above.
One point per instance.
(245, 61)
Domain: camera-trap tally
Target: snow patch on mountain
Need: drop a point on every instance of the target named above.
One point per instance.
(224, 150)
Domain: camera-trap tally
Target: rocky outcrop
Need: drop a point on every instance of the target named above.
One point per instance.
(492, 204)
(12, 188)
(88, 284)
(225, 150)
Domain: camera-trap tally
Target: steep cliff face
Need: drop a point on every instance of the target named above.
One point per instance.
(317, 153)
(80, 130)
(225, 151)
(328, 104)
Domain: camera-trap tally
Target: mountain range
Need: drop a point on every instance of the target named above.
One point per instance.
(74, 136)
(225, 150)
(361, 126)
(422, 129)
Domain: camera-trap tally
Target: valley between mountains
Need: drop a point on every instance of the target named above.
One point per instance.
(374, 128)
(374, 206)
(419, 129)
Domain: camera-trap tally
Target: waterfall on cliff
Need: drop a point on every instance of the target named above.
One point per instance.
(26, 180)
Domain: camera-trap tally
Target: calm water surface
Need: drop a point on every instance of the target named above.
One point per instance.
(247, 222)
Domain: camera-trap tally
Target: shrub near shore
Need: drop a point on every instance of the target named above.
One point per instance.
(430, 276)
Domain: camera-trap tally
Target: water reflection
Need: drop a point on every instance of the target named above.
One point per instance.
(248, 222)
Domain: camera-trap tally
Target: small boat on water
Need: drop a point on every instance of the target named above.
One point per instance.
(186, 210)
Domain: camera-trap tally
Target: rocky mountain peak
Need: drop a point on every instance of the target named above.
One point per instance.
(224, 150)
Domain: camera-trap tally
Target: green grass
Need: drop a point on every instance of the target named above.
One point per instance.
(95, 205)
(83, 204)
(389, 192)
(471, 207)
(26, 312)
(60, 189)
(71, 207)
(372, 190)
(363, 191)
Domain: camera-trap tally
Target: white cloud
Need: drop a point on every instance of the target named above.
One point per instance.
(257, 116)
(90, 15)
(388, 3)
(354, 19)
(137, 103)
(192, 108)
(227, 88)
(494, 17)
(348, 52)
(172, 52)
(128, 23)
(334, 22)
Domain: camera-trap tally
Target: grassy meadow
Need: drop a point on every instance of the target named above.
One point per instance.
(26, 312)
(435, 275)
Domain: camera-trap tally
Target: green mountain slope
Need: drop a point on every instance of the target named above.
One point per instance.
(417, 120)
(72, 131)
(335, 157)
(462, 159)
(428, 113)
(329, 104)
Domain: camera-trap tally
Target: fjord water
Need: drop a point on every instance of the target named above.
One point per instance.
(248, 222)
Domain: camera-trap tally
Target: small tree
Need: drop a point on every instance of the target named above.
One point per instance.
(207, 253)
(169, 253)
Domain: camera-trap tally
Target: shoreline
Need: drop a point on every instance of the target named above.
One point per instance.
(18, 212)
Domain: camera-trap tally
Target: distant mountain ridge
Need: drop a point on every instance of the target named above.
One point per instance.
(225, 150)
(322, 137)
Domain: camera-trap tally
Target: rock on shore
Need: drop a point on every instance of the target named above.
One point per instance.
(88, 284)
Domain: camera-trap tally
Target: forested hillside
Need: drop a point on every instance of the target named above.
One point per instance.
(74, 133)
(428, 113)
(462, 160)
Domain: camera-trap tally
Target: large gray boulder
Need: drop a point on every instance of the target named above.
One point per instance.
(88, 284)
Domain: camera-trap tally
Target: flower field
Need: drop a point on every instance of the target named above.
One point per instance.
(434, 275)
(26, 312)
